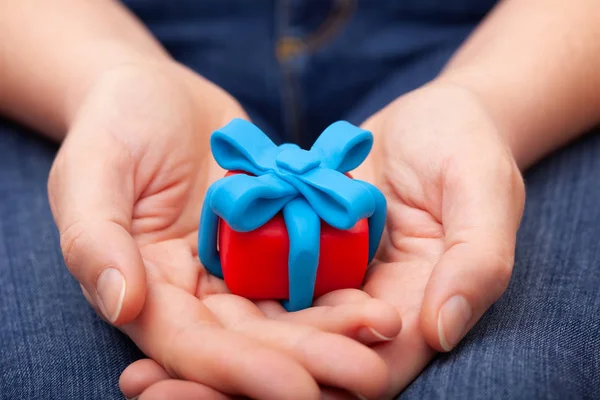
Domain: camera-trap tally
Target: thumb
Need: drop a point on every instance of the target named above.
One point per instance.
(91, 193)
(482, 209)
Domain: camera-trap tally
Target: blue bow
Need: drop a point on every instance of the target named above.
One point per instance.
(305, 185)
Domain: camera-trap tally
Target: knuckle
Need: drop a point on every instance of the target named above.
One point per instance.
(518, 185)
(501, 267)
(122, 160)
(505, 167)
(71, 244)
(302, 344)
(174, 347)
(54, 175)
(171, 357)
(511, 179)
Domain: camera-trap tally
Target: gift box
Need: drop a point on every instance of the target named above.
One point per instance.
(286, 223)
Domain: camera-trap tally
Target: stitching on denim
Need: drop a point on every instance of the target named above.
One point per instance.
(292, 120)
(324, 33)
(333, 24)
(289, 46)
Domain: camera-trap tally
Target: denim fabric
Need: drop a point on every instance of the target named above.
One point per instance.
(52, 345)
(296, 66)
(541, 340)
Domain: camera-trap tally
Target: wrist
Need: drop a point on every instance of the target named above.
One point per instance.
(47, 99)
(514, 135)
(209, 103)
(44, 71)
(114, 60)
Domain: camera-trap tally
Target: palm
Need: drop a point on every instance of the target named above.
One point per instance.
(164, 219)
(454, 203)
(446, 182)
(413, 244)
(188, 323)
(187, 307)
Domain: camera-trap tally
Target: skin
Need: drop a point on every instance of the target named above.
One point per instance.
(149, 177)
(448, 157)
(126, 190)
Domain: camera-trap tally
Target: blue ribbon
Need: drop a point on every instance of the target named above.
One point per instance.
(307, 185)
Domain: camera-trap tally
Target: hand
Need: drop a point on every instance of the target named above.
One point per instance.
(126, 191)
(455, 200)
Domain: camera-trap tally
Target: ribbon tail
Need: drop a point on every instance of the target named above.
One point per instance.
(304, 230)
(208, 236)
(376, 220)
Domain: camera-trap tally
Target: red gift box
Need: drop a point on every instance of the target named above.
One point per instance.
(255, 263)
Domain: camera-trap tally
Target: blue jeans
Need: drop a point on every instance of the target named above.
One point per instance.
(540, 340)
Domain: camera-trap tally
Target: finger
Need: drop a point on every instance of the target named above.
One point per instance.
(91, 194)
(178, 331)
(92, 303)
(481, 213)
(333, 360)
(343, 296)
(368, 321)
(337, 394)
(181, 390)
(140, 375)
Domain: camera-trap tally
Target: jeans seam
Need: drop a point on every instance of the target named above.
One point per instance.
(332, 25)
(288, 47)
(292, 120)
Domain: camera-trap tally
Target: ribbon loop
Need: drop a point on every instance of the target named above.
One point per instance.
(343, 146)
(248, 202)
(241, 145)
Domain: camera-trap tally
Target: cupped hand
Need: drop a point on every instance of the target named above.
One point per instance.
(126, 191)
(455, 200)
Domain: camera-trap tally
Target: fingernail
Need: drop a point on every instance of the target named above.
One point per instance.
(134, 398)
(87, 296)
(367, 334)
(452, 321)
(111, 291)
(359, 396)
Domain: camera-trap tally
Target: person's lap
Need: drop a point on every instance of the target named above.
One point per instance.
(542, 338)
(52, 345)
(539, 341)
